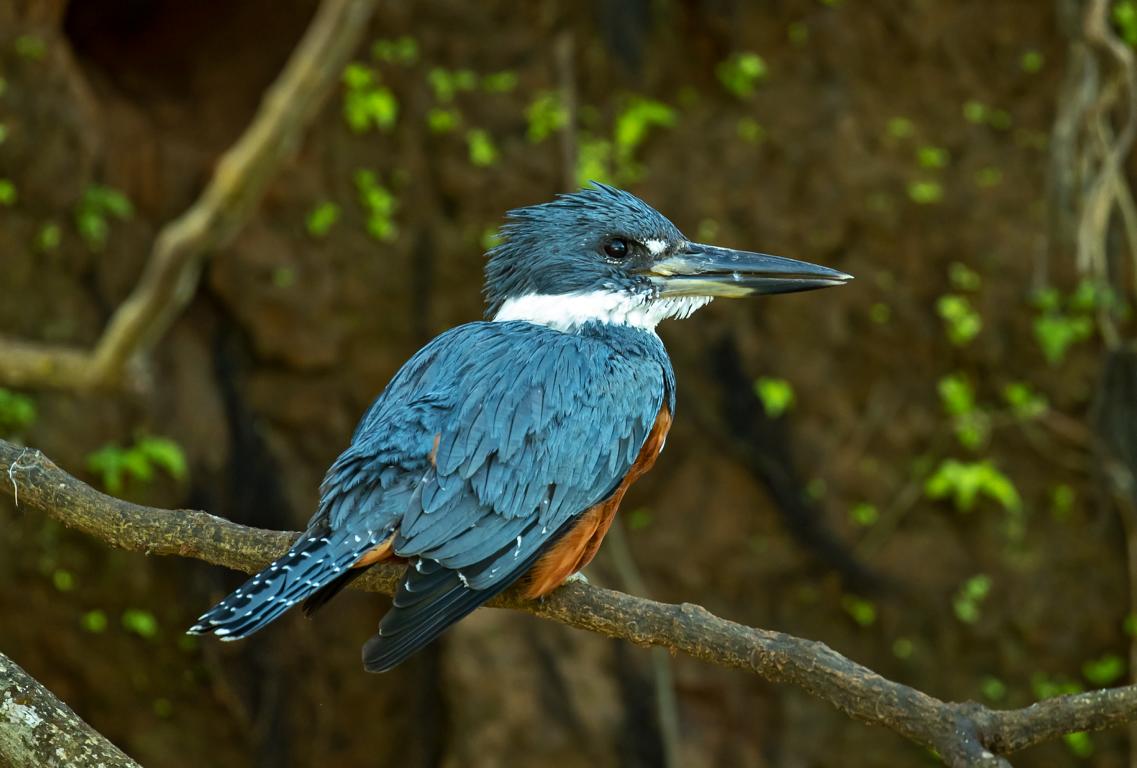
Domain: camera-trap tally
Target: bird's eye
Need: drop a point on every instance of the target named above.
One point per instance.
(616, 248)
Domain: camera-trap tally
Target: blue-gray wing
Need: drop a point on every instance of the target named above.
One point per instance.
(485, 447)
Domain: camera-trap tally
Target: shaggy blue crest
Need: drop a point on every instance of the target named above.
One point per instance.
(557, 247)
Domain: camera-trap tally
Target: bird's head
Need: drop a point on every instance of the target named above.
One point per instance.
(604, 255)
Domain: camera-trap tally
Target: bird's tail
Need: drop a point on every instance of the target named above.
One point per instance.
(313, 562)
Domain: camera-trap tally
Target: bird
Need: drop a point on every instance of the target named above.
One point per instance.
(499, 453)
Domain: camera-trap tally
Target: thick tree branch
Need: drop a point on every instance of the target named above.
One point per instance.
(38, 730)
(170, 277)
(964, 734)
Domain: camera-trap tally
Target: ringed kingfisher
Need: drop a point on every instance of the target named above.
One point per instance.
(499, 453)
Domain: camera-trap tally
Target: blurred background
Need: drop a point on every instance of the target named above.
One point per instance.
(929, 470)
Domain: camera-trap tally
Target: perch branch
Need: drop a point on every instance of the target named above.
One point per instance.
(170, 276)
(963, 734)
(38, 730)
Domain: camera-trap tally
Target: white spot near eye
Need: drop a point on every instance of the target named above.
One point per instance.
(656, 246)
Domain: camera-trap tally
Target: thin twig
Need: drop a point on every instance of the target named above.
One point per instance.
(170, 276)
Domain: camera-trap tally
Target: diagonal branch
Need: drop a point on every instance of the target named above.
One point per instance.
(963, 734)
(38, 730)
(170, 277)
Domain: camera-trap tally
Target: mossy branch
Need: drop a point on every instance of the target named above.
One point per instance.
(38, 730)
(963, 734)
(169, 279)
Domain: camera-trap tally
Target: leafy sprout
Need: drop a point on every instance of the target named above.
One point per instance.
(929, 156)
(545, 115)
(962, 321)
(443, 120)
(378, 203)
(115, 464)
(500, 82)
(8, 194)
(925, 192)
(971, 423)
(633, 123)
(322, 218)
(1125, 19)
(965, 482)
(741, 73)
(17, 412)
(776, 395)
(900, 127)
(483, 151)
(367, 103)
(401, 50)
(862, 611)
(864, 514)
(969, 599)
(96, 207)
(140, 622)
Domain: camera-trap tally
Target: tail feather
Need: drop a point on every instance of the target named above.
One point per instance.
(313, 562)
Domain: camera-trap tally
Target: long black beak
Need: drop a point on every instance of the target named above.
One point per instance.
(706, 270)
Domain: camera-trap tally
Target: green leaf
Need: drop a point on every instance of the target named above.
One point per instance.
(96, 206)
(593, 162)
(993, 689)
(48, 238)
(862, 611)
(925, 192)
(545, 115)
(903, 648)
(741, 73)
(63, 580)
(483, 153)
(776, 395)
(94, 621)
(402, 50)
(139, 622)
(932, 157)
(1056, 333)
(31, 47)
(956, 395)
(8, 195)
(963, 277)
(322, 218)
(1105, 670)
(378, 203)
(969, 598)
(1080, 744)
(962, 321)
(638, 519)
(164, 453)
(636, 119)
(17, 412)
(864, 514)
(500, 82)
(1024, 401)
(107, 463)
(441, 120)
(963, 483)
(900, 128)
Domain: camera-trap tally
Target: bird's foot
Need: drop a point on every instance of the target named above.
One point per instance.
(578, 577)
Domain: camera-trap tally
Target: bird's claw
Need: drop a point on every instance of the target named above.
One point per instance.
(577, 577)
